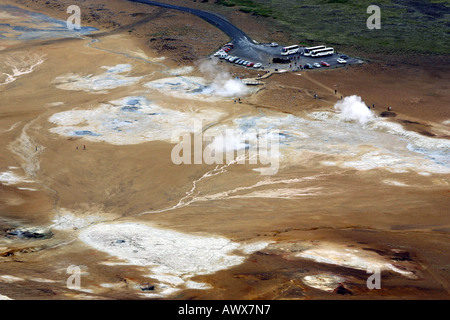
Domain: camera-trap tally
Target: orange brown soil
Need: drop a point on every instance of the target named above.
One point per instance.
(119, 182)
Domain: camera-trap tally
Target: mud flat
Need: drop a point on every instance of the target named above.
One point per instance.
(172, 257)
(87, 179)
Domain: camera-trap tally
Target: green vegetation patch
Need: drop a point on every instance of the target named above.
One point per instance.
(407, 26)
(250, 6)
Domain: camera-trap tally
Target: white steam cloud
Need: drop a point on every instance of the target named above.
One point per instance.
(352, 108)
(222, 83)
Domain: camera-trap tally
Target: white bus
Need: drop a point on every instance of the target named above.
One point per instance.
(290, 50)
(322, 52)
(307, 51)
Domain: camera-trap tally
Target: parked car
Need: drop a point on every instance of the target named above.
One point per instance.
(342, 61)
(257, 65)
(325, 64)
(344, 56)
(317, 65)
(229, 44)
(308, 66)
(237, 61)
(251, 64)
(274, 44)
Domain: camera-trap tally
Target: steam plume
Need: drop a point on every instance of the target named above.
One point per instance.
(222, 83)
(352, 108)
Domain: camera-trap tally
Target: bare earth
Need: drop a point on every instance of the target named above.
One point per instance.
(347, 199)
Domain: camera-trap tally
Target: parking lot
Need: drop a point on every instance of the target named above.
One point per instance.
(265, 54)
(247, 49)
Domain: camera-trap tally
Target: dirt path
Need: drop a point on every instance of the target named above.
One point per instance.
(307, 77)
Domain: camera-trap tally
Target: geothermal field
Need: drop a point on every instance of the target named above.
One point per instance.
(133, 168)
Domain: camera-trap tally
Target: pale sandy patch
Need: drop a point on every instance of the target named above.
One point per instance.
(354, 258)
(324, 281)
(172, 257)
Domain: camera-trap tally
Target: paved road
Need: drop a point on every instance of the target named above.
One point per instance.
(237, 35)
(244, 46)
